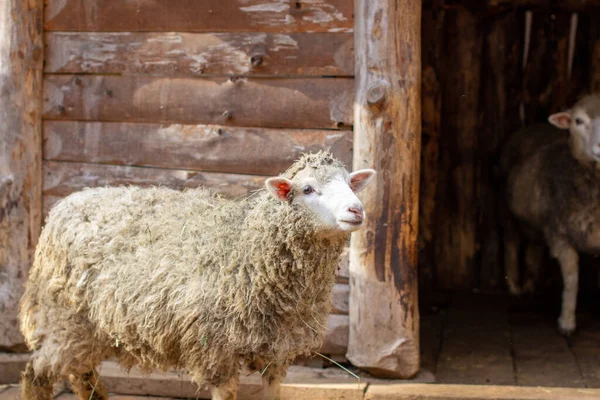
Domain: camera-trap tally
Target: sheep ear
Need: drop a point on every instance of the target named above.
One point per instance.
(360, 179)
(561, 120)
(279, 188)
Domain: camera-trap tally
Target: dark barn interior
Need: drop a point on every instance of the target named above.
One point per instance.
(490, 68)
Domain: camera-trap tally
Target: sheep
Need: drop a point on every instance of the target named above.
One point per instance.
(553, 192)
(165, 279)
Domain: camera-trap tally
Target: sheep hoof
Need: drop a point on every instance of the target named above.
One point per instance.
(566, 328)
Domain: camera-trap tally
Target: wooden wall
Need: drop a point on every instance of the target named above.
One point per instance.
(487, 71)
(185, 93)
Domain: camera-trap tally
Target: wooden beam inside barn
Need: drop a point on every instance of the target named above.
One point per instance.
(21, 58)
(384, 316)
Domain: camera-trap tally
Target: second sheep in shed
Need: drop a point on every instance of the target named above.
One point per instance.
(553, 189)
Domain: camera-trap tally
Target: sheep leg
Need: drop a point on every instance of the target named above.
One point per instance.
(511, 258)
(227, 390)
(88, 386)
(271, 380)
(533, 262)
(35, 386)
(569, 266)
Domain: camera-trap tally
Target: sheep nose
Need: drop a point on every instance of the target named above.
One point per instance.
(357, 211)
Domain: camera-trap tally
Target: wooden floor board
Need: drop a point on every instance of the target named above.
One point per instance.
(585, 344)
(542, 355)
(476, 343)
(431, 327)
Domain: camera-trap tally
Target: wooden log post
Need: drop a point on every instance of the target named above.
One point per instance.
(21, 58)
(384, 315)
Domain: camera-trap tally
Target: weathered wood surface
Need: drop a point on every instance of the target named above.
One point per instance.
(413, 391)
(270, 103)
(432, 27)
(496, 6)
(21, 59)
(280, 16)
(500, 87)
(339, 298)
(476, 343)
(430, 338)
(333, 381)
(11, 366)
(594, 51)
(336, 339)
(384, 315)
(456, 217)
(176, 53)
(62, 179)
(585, 345)
(195, 147)
(542, 356)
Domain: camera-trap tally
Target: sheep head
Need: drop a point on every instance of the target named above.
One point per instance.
(320, 185)
(583, 122)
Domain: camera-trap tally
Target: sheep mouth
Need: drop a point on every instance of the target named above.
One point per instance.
(355, 223)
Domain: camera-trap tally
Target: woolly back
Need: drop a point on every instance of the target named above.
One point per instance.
(323, 163)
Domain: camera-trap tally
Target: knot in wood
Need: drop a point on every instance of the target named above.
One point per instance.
(256, 60)
(227, 114)
(377, 92)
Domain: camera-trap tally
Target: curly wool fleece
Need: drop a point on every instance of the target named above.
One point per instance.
(167, 279)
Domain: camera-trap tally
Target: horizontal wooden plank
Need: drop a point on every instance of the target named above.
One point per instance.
(172, 53)
(256, 151)
(329, 384)
(64, 178)
(271, 103)
(200, 16)
(415, 391)
(336, 339)
(339, 298)
(11, 365)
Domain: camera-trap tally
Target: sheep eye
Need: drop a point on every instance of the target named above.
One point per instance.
(307, 189)
(578, 121)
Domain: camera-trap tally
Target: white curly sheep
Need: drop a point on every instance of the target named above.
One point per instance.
(166, 279)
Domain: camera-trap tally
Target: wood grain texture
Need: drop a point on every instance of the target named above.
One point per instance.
(64, 178)
(475, 392)
(335, 342)
(498, 6)
(21, 59)
(301, 383)
(456, 217)
(432, 26)
(594, 51)
(500, 90)
(171, 53)
(255, 151)
(384, 315)
(270, 103)
(280, 16)
(339, 298)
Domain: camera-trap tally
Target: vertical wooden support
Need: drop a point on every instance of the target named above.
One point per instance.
(384, 314)
(21, 59)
